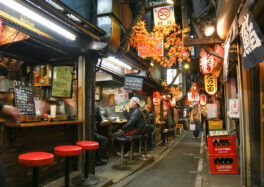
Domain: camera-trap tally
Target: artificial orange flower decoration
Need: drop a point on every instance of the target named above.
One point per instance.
(172, 36)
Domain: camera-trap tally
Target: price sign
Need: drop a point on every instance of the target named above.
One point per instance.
(24, 98)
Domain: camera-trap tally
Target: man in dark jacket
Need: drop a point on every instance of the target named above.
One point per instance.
(150, 126)
(135, 118)
(102, 152)
(13, 118)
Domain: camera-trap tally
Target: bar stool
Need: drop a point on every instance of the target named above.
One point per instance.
(86, 180)
(67, 151)
(122, 141)
(35, 159)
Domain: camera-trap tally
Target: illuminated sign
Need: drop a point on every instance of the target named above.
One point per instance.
(210, 84)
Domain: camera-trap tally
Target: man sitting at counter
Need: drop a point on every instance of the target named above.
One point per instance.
(102, 153)
(135, 118)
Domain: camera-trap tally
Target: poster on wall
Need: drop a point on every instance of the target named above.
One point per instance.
(62, 81)
(234, 108)
(121, 99)
(212, 111)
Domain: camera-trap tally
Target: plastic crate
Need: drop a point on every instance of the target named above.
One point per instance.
(215, 150)
(223, 168)
(215, 124)
(179, 125)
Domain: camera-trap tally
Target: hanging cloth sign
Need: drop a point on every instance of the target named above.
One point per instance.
(233, 33)
(252, 40)
(164, 15)
(210, 84)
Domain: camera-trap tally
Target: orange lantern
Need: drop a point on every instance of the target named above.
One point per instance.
(203, 99)
(173, 102)
(156, 98)
(210, 84)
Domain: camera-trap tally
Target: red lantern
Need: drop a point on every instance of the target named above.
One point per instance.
(203, 99)
(156, 98)
(207, 62)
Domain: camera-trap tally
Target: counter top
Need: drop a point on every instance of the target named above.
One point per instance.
(119, 122)
(46, 123)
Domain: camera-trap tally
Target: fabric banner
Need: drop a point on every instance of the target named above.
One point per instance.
(252, 40)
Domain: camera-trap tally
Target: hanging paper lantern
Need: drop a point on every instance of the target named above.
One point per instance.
(207, 62)
(173, 102)
(210, 84)
(156, 98)
(203, 99)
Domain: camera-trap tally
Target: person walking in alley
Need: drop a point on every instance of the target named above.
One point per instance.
(102, 152)
(196, 118)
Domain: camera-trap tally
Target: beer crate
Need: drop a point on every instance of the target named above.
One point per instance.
(223, 164)
(221, 145)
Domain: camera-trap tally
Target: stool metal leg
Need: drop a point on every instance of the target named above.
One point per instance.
(67, 172)
(122, 154)
(146, 146)
(131, 151)
(86, 164)
(35, 177)
(139, 149)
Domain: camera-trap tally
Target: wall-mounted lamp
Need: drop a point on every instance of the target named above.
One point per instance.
(209, 30)
(170, 2)
(186, 66)
(37, 18)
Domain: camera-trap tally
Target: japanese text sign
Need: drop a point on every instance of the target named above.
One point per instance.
(210, 84)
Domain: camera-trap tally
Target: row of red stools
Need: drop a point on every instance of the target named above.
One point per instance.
(222, 154)
(37, 159)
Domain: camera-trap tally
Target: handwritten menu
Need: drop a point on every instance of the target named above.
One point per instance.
(24, 98)
(62, 81)
(133, 83)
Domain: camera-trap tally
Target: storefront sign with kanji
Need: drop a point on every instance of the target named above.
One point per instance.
(233, 108)
(210, 84)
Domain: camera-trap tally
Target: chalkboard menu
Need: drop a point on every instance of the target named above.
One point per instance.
(24, 98)
(133, 83)
(62, 81)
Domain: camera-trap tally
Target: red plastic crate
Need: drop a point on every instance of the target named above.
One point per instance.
(215, 150)
(226, 168)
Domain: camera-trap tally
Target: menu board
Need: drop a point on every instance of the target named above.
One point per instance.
(62, 81)
(133, 83)
(24, 98)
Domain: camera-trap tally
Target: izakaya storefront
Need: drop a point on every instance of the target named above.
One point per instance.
(243, 77)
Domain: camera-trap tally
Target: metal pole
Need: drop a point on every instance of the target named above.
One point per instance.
(90, 65)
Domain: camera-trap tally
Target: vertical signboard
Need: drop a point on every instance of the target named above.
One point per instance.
(210, 84)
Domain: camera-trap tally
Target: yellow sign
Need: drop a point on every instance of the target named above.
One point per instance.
(210, 81)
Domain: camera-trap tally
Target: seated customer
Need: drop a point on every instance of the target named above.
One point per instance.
(102, 152)
(135, 118)
(150, 126)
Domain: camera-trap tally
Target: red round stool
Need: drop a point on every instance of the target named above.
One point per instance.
(67, 151)
(86, 180)
(35, 159)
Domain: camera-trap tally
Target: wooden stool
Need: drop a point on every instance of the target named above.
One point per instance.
(67, 151)
(86, 180)
(35, 159)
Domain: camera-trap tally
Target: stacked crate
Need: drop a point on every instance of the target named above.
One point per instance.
(222, 154)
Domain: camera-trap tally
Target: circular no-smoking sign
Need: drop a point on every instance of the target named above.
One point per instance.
(163, 13)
